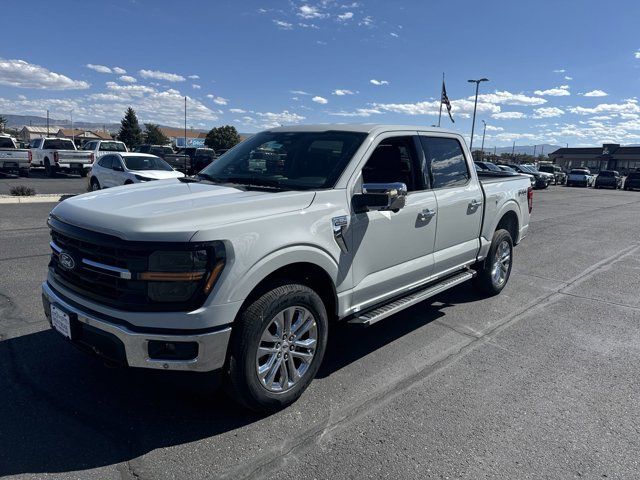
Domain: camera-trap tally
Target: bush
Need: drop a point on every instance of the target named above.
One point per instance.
(22, 191)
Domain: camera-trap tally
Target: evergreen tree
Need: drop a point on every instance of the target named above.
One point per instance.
(154, 136)
(130, 132)
(222, 137)
(3, 123)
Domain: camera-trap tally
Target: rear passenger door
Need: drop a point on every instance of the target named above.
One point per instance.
(459, 199)
(106, 172)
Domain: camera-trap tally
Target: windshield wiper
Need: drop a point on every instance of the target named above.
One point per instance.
(254, 182)
(207, 177)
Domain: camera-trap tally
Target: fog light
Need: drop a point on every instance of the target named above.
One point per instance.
(160, 350)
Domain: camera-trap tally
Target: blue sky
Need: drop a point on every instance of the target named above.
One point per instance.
(560, 71)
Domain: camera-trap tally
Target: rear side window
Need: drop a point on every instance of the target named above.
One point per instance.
(446, 162)
(106, 161)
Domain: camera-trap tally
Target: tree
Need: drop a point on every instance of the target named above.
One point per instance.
(153, 135)
(3, 123)
(130, 132)
(222, 137)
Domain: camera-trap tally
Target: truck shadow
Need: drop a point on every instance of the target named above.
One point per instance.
(65, 411)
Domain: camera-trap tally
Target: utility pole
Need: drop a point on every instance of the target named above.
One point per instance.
(185, 134)
(73, 132)
(47, 123)
(484, 130)
(534, 150)
(475, 106)
(513, 151)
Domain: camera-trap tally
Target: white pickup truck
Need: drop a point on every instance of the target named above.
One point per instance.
(59, 155)
(242, 268)
(12, 158)
(100, 148)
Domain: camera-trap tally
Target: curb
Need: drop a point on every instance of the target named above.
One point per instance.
(43, 198)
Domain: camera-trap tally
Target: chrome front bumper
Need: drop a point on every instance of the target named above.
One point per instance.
(212, 346)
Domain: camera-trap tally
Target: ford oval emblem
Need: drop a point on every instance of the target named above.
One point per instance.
(66, 261)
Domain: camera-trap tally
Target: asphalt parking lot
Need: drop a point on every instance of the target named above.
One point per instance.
(538, 382)
(62, 183)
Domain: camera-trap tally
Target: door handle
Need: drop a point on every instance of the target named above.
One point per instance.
(475, 204)
(426, 214)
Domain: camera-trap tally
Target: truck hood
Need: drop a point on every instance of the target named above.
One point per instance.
(169, 210)
(157, 174)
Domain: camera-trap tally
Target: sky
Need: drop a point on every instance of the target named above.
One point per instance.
(560, 72)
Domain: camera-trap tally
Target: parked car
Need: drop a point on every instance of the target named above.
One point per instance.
(157, 150)
(199, 158)
(559, 177)
(99, 148)
(12, 158)
(580, 177)
(542, 180)
(488, 166)
(534, 169)
(608, 178)
(59, 155)
(506, 168)
(244, 269)
(632, 182)
(124, 168)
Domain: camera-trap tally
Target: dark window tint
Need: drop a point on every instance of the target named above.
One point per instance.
(112, 147)
(6, 142)
(446, 160)
(393, 160)
(106, 161)
(58, 144)
(146, 163)
(634, 176)
(34, 143)
(89, 146)
(606, 173)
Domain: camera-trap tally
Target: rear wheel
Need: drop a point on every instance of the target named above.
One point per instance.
(495, 270)
(94, 185)
(24, 172)
(48, 169)
(276, 347)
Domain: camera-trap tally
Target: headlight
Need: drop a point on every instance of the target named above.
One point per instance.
(144, 179)
(177, 276)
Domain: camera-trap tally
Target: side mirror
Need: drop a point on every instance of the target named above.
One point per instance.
(118, 168)
(381, 197)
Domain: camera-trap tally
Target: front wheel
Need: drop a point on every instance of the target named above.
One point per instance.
(495, 270)
(276, 347)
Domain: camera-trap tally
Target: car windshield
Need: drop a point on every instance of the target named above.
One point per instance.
(287, 160)
(578, 172)
(146, 163)
(546, 168)
(606, 173)
(493, 167)
(6, 142)
(506, 168)
(112, 147)
(527, 169)
(58, 144)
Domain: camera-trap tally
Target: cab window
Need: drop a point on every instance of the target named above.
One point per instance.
(446, 165)
(393, 160)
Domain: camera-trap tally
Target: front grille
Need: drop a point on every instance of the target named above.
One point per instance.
(105, 268)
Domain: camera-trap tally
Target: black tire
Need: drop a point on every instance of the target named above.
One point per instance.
(128, 182)
(48, 169)
(83, 173)
(24, 172)
(242, 382)
(94, 184)
(485, 281)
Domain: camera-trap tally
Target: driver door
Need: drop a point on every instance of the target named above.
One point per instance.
(393, 251)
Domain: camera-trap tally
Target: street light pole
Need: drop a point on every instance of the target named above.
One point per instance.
(475, 106)
(484, 130)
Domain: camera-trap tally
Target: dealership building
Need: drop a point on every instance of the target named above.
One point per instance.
(611, 156)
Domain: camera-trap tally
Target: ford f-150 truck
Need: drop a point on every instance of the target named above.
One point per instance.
(59, 155)
(12, 158)
(242, 268)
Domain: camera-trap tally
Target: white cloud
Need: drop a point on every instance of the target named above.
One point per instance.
(566, 77)
(559, 71)
(270, 119)
(155, 74)
(309, 11)
(342, 92)
(194, 77)
(637, 54)
(128, 79)
(308, 25)
(562, 90)
(508, 98)
(134, 90)
(237, 110)
(378, 82)
(195, 86)
(282, 25)
(460, 107)
(596, 93)
(508, 115)
(547, 112)
(393, 34)
(629, 107)
(491, 128)
(366, 21)
(360, 112)
(21, 74)
(320, 100)
(98, 68)
(345, 16)
(119, 70)
(218, 100)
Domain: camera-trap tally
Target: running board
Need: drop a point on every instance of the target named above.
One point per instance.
(373, 316)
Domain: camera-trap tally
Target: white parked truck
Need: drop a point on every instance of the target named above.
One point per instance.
(242, 268)
(100, 148)
(59, 155)
(12, 158)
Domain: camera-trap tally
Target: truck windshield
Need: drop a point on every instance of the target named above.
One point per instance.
(290, 160)
(58, 144)
(146, 163)
(112, 147)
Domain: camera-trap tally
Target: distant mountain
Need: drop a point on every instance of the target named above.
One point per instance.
(525, 149)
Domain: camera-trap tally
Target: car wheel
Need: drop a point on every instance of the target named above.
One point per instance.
(276, 347)
(94, 185)
(128, 182)
(495, 270)
(24, 172)
(48, 169)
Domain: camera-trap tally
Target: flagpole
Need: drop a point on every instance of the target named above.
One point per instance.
(441, 87)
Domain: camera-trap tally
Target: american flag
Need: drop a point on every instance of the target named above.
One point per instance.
(444, 99)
